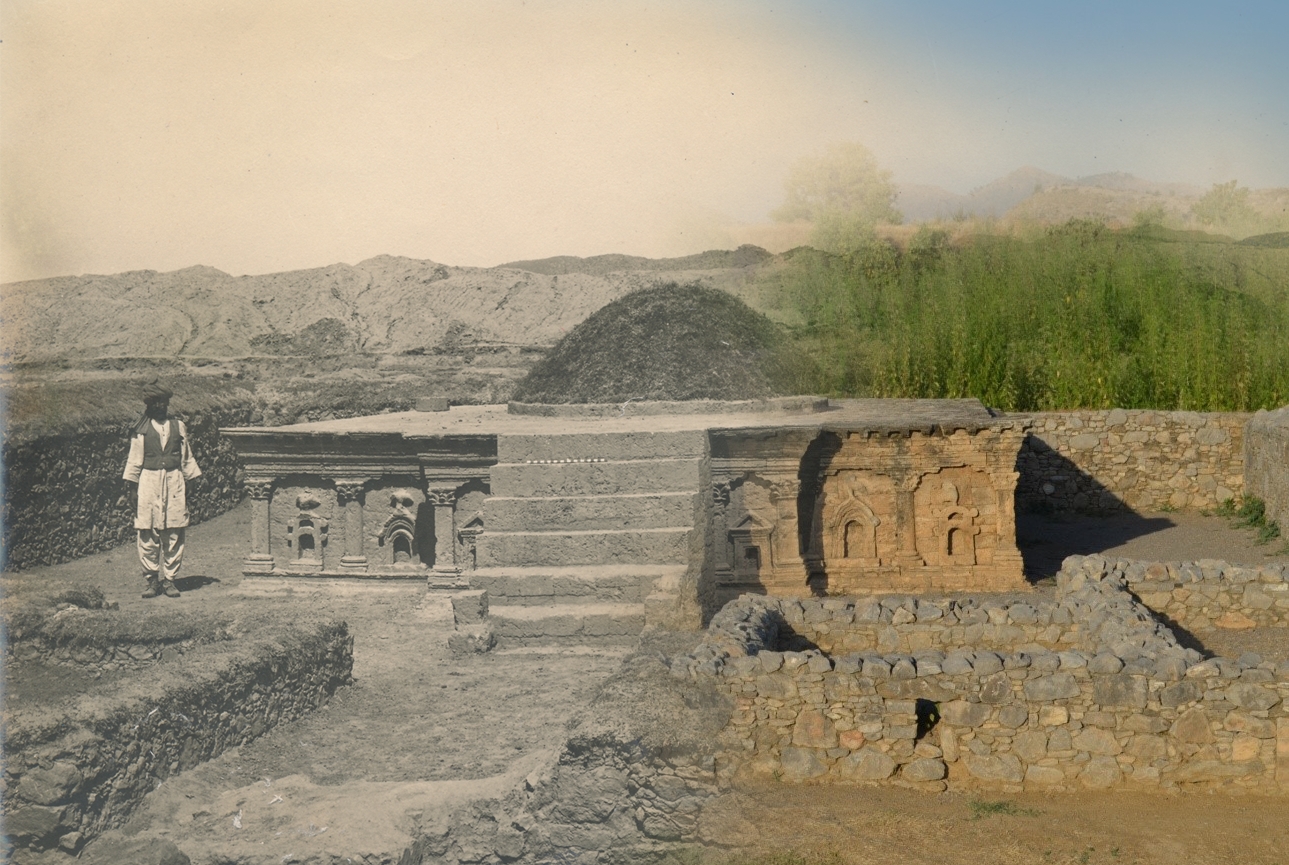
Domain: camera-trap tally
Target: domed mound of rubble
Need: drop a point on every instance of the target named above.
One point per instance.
(669, 342)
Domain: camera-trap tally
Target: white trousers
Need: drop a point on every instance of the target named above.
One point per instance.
(161, 551)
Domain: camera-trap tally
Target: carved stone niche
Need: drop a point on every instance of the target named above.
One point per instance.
(854, 524)
(307, 533)
(468, 541)
(748, 549)
(957, 518)
(397, 541)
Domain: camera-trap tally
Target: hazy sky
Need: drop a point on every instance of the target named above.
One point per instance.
(264, 136)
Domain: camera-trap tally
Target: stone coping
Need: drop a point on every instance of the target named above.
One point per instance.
(878, 416)
(632, 407)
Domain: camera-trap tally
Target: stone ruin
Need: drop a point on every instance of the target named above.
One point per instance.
(661, 511)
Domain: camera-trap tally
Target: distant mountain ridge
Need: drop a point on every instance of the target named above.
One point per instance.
(920, 202)
(384, 305)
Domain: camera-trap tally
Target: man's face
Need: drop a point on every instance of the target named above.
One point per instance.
(158, 407)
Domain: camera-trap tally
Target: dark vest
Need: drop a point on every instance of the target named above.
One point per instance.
(156, 457)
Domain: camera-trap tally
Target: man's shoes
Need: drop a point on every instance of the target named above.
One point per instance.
(152, 589)
(169, 588)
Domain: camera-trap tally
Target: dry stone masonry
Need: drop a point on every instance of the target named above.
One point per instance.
(1098, 461)
(75, 770)
(1266, 461)
(1087, 691)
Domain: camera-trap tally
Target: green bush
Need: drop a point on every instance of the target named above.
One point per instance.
(1080, 317)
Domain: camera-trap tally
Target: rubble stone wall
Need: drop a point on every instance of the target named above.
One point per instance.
(64, 497)
(1106, 461)
(1207, 595)
(1122, 705)
(73, 772)
(1266, 462)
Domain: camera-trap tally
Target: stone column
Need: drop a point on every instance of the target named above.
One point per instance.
(349, 495)
(260, 561)
(906, 555)
(445, 547)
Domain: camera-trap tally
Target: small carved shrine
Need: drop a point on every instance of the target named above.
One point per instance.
(860, 497)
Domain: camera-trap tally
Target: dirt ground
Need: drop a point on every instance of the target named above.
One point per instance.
(418, 731)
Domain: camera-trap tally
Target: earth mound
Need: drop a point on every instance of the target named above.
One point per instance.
(669, 342)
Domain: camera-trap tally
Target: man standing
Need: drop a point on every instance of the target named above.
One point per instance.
(161, 463)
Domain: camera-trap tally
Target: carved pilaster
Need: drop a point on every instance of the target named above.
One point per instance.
(444, 500)
(260, 561)
(906, 521)
(349, 495)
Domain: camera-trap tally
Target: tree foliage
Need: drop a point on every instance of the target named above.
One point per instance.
(844, 192)
(1226, 205)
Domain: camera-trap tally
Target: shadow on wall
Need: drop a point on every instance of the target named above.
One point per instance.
(819, 454)
(1050, 483)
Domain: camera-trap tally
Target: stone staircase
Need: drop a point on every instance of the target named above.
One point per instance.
(588, 537)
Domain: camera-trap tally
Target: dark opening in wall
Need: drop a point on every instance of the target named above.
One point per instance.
(928, 715)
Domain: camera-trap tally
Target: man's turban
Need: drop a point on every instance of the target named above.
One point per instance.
(154, 391)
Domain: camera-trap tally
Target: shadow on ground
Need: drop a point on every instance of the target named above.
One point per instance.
(1045, 540)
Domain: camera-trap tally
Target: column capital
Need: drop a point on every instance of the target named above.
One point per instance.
(258, 488)
(442, 496)
(349, 489)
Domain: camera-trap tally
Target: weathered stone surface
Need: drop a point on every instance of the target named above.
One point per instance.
(1030, 745)
(1004, 767)
(49, 786)
(1254, 697)
(1234, 620)
(960, 713)
(867, 764)
(1056, 686)
(1044, 775)
(588, 796)
(114, 849)
(1121, 690)
(35, 824)
(1192, 727)
(1096, 741)
(800, 764)
(1100, 772)
(926, 769)
(851, 739)
(814, 730)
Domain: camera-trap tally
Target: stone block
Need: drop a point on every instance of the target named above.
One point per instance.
(35, 824)
(1250, 696)
(1100, 773)
(1192, 727)
(926, 769)
(1095, 740)
(996, 767)
(814, 730)
(1120, 690)
(469, 608)
(1056, 686)
(960, 713)
(50, 786)
(867, 764)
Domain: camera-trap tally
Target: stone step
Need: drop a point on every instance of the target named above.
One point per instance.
(612, 477)
(589, 513)
(665, 546)
(603, 445)
(564, 624)
(596, 584)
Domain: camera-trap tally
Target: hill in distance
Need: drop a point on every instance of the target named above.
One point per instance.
(384, 305)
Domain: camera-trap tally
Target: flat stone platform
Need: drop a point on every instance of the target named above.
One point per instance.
(854, 415)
